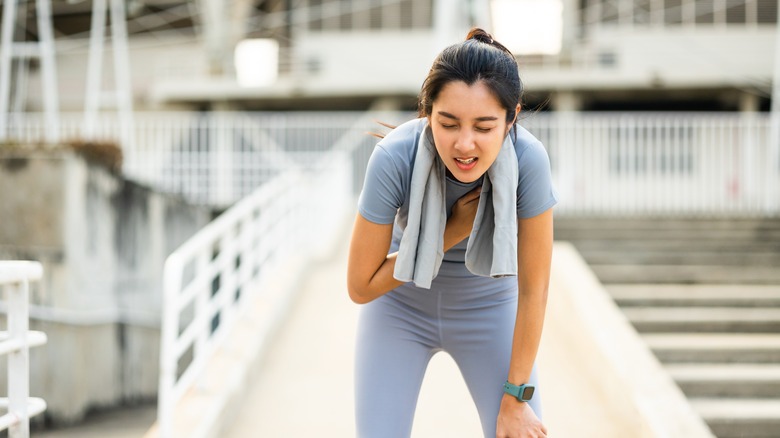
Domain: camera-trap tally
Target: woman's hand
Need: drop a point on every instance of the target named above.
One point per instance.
(461, 221)
(516, 419)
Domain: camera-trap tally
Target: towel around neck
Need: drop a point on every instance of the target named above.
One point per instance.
(492, 247)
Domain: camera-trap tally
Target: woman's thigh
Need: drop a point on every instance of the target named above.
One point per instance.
(478, 333)
(394, 346)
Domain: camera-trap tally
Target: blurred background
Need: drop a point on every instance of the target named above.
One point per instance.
(183, 168)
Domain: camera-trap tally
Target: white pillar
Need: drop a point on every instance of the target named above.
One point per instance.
(776, 76)
(749, 102)
(566, 101)
(480, 14)
(449, 25)
(571, 27)
(773, 169)
(213, 18)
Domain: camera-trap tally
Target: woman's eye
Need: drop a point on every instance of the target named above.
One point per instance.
(483, 129)
(445, 126)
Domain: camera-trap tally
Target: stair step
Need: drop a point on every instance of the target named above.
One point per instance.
(683, 234)
(683, 227)
(714, 224)
(689, 256)
(727, 380)
(715, 347)
(743, 418)
(701, 295)
(666, 274)
(704, 319)
(618, 244)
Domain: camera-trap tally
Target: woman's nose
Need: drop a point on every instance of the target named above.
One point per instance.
(465, 142)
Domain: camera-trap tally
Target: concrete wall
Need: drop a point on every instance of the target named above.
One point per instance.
(102, 241)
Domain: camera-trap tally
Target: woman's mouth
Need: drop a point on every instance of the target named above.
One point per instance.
(466, 163)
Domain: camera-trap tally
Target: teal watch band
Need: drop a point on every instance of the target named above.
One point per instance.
(523, 393)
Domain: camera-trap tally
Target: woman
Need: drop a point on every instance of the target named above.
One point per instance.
(468, 108)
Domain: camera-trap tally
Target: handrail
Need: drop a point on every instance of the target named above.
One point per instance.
(210, 279)
(16, 342)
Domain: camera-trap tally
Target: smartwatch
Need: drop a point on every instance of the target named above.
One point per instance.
(523, 393)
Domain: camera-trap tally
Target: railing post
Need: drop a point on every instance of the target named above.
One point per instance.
(169, 331)
(223, 148)
(18, 361)
(14, 280)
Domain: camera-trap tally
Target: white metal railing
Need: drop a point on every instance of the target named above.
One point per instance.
(16, 342)
(218, 158)
(216, 274)
(668, 164)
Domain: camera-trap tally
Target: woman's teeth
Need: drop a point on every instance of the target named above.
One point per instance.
(466, 161)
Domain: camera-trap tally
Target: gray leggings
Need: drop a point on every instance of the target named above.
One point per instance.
(471, 318)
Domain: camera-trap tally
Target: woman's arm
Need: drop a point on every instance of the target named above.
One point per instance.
(370, 268)
(534, 254)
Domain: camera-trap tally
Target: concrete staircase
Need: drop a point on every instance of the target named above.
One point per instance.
(705, 295)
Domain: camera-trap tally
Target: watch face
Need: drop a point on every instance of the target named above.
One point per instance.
(528, 392)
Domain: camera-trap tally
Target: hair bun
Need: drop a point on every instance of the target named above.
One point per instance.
(480, 35)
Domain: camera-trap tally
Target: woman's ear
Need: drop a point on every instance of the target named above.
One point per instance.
(517, 112)
(514, 119)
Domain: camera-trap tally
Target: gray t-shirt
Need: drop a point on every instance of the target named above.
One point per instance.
(385, 195)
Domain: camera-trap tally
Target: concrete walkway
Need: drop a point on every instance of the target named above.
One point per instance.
(305, 388)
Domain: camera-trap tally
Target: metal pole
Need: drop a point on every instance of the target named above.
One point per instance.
(94, 71)
(122, 73)
(19, 80)
(49, 71)
(9, 15)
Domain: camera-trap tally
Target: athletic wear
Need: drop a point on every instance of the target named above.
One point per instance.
(470, 317)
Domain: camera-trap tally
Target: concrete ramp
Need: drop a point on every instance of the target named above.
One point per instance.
(595, 370)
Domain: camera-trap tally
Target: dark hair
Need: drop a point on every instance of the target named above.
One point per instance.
(478, 58)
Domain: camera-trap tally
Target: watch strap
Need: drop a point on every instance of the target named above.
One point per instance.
(523, 392)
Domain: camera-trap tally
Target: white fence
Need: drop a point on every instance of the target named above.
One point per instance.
(672, 164)
(16, 342)
(666, 164)
(233, 260)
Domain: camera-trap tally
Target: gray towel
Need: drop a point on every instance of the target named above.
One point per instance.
(492, 246)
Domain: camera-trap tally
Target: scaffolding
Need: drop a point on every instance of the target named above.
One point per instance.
(119, 98)
(19, 53)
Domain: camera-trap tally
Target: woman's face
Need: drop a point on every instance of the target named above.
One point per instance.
(469, 126)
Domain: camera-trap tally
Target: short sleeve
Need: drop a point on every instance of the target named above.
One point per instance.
(382, 193)
(535, 192)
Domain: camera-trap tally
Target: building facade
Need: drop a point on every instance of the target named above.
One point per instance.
(701, 55)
